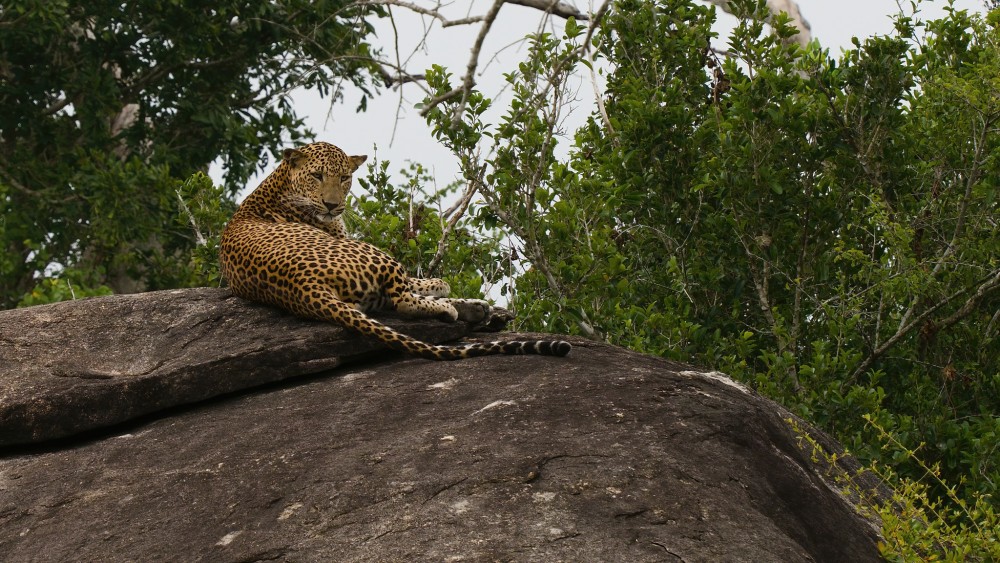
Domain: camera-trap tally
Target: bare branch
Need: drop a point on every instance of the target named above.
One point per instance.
(12, 182)
(984, 288)
(57, 105)
(470, 70)
(554, 7)
(200, 238)
(445, 22)
(399, 65)
(988, 285)
(402, 77)
(438, 99)
(598, 97)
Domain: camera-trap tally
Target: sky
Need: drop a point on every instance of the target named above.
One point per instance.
(400, 134)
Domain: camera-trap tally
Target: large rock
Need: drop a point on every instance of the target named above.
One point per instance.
(74, 366)
(605, 455)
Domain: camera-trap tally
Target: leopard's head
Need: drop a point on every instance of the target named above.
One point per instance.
(319, 178)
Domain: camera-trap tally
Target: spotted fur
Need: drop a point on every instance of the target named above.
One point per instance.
(287, 246)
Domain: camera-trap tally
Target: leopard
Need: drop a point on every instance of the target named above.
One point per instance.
(287, 246)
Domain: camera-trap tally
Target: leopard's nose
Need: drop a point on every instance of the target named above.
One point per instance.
(331, 206)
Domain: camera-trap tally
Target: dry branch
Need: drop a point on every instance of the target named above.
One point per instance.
(986, 286)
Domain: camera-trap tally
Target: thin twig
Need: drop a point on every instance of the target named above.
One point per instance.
(445, 22)
(554, 7)
(454, 214)
(468, 81)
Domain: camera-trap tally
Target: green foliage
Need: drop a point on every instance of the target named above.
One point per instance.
(408, 222)
(107, 105)
(824, 230)
(918, 525)
(204, 209)
(70, 284)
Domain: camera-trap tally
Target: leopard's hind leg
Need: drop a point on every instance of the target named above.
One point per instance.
(412, 304)
(420, 306)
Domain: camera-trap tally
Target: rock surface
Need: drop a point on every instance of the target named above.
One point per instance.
(605, 455)
(75, 366)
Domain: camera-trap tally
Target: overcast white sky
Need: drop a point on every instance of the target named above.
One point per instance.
(833, 22)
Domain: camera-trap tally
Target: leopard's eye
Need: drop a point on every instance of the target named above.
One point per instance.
(344, 178)
(317, 175)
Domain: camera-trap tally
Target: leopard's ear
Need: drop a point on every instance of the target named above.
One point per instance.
(357, 161)
(293, 156)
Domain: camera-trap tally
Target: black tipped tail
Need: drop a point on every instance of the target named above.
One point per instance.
(542, 347)
(516, 347)
(560, 348)
(350, 317)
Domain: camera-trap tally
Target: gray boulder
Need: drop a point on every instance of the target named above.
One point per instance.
(605, 455)
(79, 365)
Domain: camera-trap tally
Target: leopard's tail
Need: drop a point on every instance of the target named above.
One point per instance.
(353, 319)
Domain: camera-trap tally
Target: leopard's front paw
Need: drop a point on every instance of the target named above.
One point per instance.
(472, 310)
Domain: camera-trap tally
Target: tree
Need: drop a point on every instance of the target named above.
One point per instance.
(109, 106)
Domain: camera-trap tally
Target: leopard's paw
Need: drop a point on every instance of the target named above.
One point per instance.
(471, 310)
